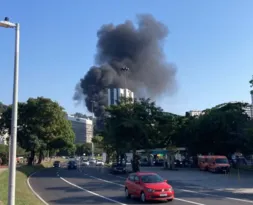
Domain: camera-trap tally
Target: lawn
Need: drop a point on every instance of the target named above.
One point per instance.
(24, 195)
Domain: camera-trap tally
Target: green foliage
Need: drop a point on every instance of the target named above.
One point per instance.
(2, 107)
(135, 125)
(41, 125)
(224, 129)
(83, 149)
(221, 130)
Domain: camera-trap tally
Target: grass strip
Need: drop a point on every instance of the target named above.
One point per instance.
(24, 196)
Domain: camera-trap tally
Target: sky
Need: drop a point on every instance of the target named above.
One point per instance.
(210, 42)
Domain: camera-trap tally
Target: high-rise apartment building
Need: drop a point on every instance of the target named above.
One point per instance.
(83, 129)
(114, 95)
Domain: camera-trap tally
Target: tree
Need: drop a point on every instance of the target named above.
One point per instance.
(221, 130)
(2, 107)
(83, 149)
(134, 125)
(41, 126)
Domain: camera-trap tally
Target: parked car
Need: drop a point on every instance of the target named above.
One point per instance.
(118, 168)
(57, 164)
(100, 163)
(72, 165)
(148, 187)
(92, 161)
(86, 163)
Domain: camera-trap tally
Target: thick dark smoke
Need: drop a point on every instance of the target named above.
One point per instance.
(141, 50)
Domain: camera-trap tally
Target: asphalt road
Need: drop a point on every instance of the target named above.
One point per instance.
(93, 185)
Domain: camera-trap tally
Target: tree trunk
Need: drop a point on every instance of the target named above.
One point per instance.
(31, 158)
(41, 157)
(135, 163)
(108, 156)
(117, 156)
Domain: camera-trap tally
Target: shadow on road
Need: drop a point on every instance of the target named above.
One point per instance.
(192, 190)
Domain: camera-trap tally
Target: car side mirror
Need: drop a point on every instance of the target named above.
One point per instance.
(166, 181)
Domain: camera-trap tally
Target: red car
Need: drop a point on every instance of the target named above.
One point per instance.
(148, 186)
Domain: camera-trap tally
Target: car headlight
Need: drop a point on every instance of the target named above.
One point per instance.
(150, 190)
(170, 189)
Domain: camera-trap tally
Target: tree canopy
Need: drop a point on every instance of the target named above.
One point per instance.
(223, 129)
(135, 125)
(42, 125)
(3, 107)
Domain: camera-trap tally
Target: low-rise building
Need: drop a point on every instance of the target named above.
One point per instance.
(83, 129)
(3, 139)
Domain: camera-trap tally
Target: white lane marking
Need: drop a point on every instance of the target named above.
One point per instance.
(205, 194)
(121, 185)
(106, 181)
(214, 195)
(91, 192)
(33, 191)
(190, 202)
(118, 176)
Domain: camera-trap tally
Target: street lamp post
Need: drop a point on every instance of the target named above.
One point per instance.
(125, 69)
(92, 144)
(13, 145)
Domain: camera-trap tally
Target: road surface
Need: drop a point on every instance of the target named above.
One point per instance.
(91, 186)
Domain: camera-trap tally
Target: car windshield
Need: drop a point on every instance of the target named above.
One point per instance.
(221, 161)
(153, 178)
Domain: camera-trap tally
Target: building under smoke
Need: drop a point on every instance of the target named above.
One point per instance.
(83, 129)
(115, 94)
(138, 48)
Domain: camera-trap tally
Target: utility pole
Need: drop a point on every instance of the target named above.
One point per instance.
(125, 69)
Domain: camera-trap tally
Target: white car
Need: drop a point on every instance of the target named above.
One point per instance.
(92, 161)
(86, 163)
(100, 163)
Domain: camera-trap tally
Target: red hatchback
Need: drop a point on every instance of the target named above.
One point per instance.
(148, 186)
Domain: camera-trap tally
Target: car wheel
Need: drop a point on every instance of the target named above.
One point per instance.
(127, 194)
(143, 197)
(169, 200)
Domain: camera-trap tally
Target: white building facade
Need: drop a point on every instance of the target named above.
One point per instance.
(249, 110)
(3, 139)
(114, 95)
(83, 129)
(195, 112)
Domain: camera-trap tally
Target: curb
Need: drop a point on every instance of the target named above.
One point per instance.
(33, 191)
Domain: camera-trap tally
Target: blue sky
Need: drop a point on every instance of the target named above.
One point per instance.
(211, 43)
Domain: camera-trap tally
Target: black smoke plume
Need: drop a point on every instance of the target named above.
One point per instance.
(139, 48)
